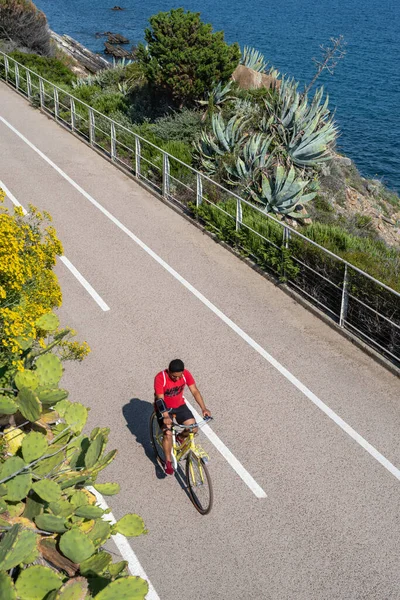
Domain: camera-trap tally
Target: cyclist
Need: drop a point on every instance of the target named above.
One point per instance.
(168, 391)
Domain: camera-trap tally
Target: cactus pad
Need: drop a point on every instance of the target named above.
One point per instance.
(34, 445)
(33, 507)
(26, 379)
(76, 546)
(128, 588)
(117, 568)
(62, 508)
(51, 523)
(48, 490)
(13, 438)
(76, 416)
(94, 451)
(95, 564)
(89, 512)
(105, 461)
(48, 322)
(7, 589)
(74, 589)
(16, 545)
(49, 397)
(29, 404)
(49, 370)
(100, 532)
(18, 486)
(130, 525)
(107, 489)
(15, 509)
(36, 582)
(7, 406)
(79, 498)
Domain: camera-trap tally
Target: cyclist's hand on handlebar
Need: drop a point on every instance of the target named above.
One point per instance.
(206, 412)
(167, 420)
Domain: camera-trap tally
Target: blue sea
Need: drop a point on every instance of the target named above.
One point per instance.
(364, 90)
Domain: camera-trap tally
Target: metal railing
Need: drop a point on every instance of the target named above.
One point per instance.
(356, 301)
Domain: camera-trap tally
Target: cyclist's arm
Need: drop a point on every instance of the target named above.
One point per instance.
(160, 404)
(199, 399)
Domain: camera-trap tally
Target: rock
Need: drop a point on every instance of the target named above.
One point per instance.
(117, 51)
(117, 8)
(248, 79)
(117, 38)
(90, 61)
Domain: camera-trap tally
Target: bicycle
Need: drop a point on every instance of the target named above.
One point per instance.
(197, 475)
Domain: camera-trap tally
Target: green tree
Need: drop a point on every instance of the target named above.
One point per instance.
(184, 56)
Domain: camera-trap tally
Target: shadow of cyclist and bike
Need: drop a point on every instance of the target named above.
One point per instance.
(137, 414)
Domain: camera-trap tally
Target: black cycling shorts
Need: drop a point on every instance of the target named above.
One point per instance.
(182, 413)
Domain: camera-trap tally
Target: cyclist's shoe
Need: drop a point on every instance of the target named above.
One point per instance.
(168, 468)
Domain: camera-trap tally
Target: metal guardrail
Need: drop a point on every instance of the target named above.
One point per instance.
(356, 301)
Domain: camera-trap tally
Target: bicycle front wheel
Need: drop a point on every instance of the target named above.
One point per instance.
(156, 437)
(199, 484)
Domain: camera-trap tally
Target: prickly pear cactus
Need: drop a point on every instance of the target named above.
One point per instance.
(34, 583)
(7, 406)
(7, 588)
(76, 546)
(107, 489)
(27, 379)
(48, 370)
(128, 588)
(74, 589)
(48, 322)
(29, 404)
(34, 445)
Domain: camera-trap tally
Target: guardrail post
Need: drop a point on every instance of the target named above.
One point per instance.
(72, 108)
(28, 84)
(56, 104)
(16, 77)
(92, 136)
(199, 190)
(345, 297)
(239, 214)
(137, 156)
(41, 93)
(165, 175)
(6, 66)
(113, 142)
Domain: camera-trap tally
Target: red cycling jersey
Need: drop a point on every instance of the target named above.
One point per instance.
(172, 390)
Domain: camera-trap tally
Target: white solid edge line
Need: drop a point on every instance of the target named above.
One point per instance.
(272, 361)
(229, 457)
(125, 548)
(96, 297)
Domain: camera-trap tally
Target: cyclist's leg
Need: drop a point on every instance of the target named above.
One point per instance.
(184, 416)
(167, 438)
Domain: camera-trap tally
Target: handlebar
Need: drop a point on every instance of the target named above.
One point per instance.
(178, 426)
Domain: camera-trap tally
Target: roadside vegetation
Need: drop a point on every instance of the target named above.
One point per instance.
(51, 530)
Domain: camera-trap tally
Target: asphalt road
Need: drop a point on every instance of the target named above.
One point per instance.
(329, 525)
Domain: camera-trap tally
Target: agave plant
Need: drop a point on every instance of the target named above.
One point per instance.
(254, 156)
(283, 192)
(217, 96)
(310, 147)
(224, 139)
(253, 59)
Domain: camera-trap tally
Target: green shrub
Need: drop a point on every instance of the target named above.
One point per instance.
(110, 102)
(184, 56)
(49, 68)
(184, 126)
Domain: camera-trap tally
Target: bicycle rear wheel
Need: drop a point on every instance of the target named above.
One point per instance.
(199, 484)
(156, 437)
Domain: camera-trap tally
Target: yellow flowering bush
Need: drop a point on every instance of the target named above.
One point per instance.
(28, 286)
